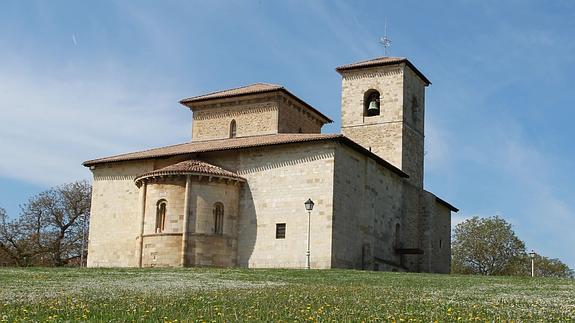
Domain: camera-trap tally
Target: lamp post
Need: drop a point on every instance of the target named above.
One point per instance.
(308, 206)
(532, 256)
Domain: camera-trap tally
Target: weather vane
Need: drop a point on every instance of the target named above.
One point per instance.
(386, 42)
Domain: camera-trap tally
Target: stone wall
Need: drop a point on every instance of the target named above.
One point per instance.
(279, 181)
(162, 250)
(359, 204)
(172, 191)
(258, 116)
(412, 229)
(294, 117)
(384, 140)
(115, 218)
(436, 235)
(212, 250)
(383, 133)
(396, 134)
(205, 248)
(368, 204)
(254, 115)
(413, 126)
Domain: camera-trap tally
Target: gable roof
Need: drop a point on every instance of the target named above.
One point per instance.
(247, 89)
(382, 61)
(255, 88)
(190, 167)
(242, 143)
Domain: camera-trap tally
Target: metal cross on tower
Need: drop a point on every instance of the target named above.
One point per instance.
(386, 42)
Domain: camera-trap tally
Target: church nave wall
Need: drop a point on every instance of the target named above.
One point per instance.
(115, 218)
(279, 181)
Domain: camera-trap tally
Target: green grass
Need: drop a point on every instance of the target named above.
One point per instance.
(199, 294)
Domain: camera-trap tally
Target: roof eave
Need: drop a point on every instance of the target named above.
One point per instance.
(342, 69)
(445, 203)
(188, 102)
(340, 137)
(97, 161)
(184, 173)
(378, 159)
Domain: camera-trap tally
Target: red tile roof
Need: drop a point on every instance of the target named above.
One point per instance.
(190, 167)
(255, 88)
(248, 89)
(241, 143)
(382, 61)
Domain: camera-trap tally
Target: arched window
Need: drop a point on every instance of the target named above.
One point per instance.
(371, 100)
(397, 238)
(218, 218)
(161, 215)
(233, 129)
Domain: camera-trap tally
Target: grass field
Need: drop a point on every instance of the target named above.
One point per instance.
(43, 294)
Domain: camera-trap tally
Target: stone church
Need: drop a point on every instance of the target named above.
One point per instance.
(234, 195)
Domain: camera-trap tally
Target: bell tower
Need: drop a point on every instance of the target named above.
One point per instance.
(382, 109)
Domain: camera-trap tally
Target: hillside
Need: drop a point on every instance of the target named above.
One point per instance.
(276, 295)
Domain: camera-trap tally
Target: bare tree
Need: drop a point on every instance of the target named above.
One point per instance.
(18, 240)
(51, 229)
(61, 214)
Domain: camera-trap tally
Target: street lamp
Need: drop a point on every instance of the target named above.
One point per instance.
(532, 256)
(308, 206)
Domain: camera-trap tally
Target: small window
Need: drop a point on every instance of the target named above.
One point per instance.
(233, 129)
(371, 103)
(440, 243)
(160, 216)
(218, 218)
(280, 230)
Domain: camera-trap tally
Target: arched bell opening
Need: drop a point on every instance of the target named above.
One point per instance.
(371, 103)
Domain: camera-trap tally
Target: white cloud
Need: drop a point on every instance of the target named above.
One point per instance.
(52, 122)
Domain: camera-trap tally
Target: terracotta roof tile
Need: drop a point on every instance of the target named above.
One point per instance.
(372, 62)
(213, 145)
(190, 167)
(248, 89)
(239, 143)
(382, 61)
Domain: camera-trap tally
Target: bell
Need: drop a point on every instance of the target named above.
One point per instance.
(373, 109)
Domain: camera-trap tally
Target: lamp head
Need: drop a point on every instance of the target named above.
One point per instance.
(309, 204)
(532, 254)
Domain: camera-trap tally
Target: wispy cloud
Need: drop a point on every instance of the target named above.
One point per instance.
(53, 122)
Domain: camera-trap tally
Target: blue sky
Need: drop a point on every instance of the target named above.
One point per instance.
(80, 81)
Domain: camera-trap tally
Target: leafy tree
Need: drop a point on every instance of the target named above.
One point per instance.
(547, 267)
(486, 246)
(51, 229)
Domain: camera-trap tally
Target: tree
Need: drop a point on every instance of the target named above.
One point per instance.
(17, 240)
(486, 246)
(51, 229)
(547, 267)
(5, 260)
